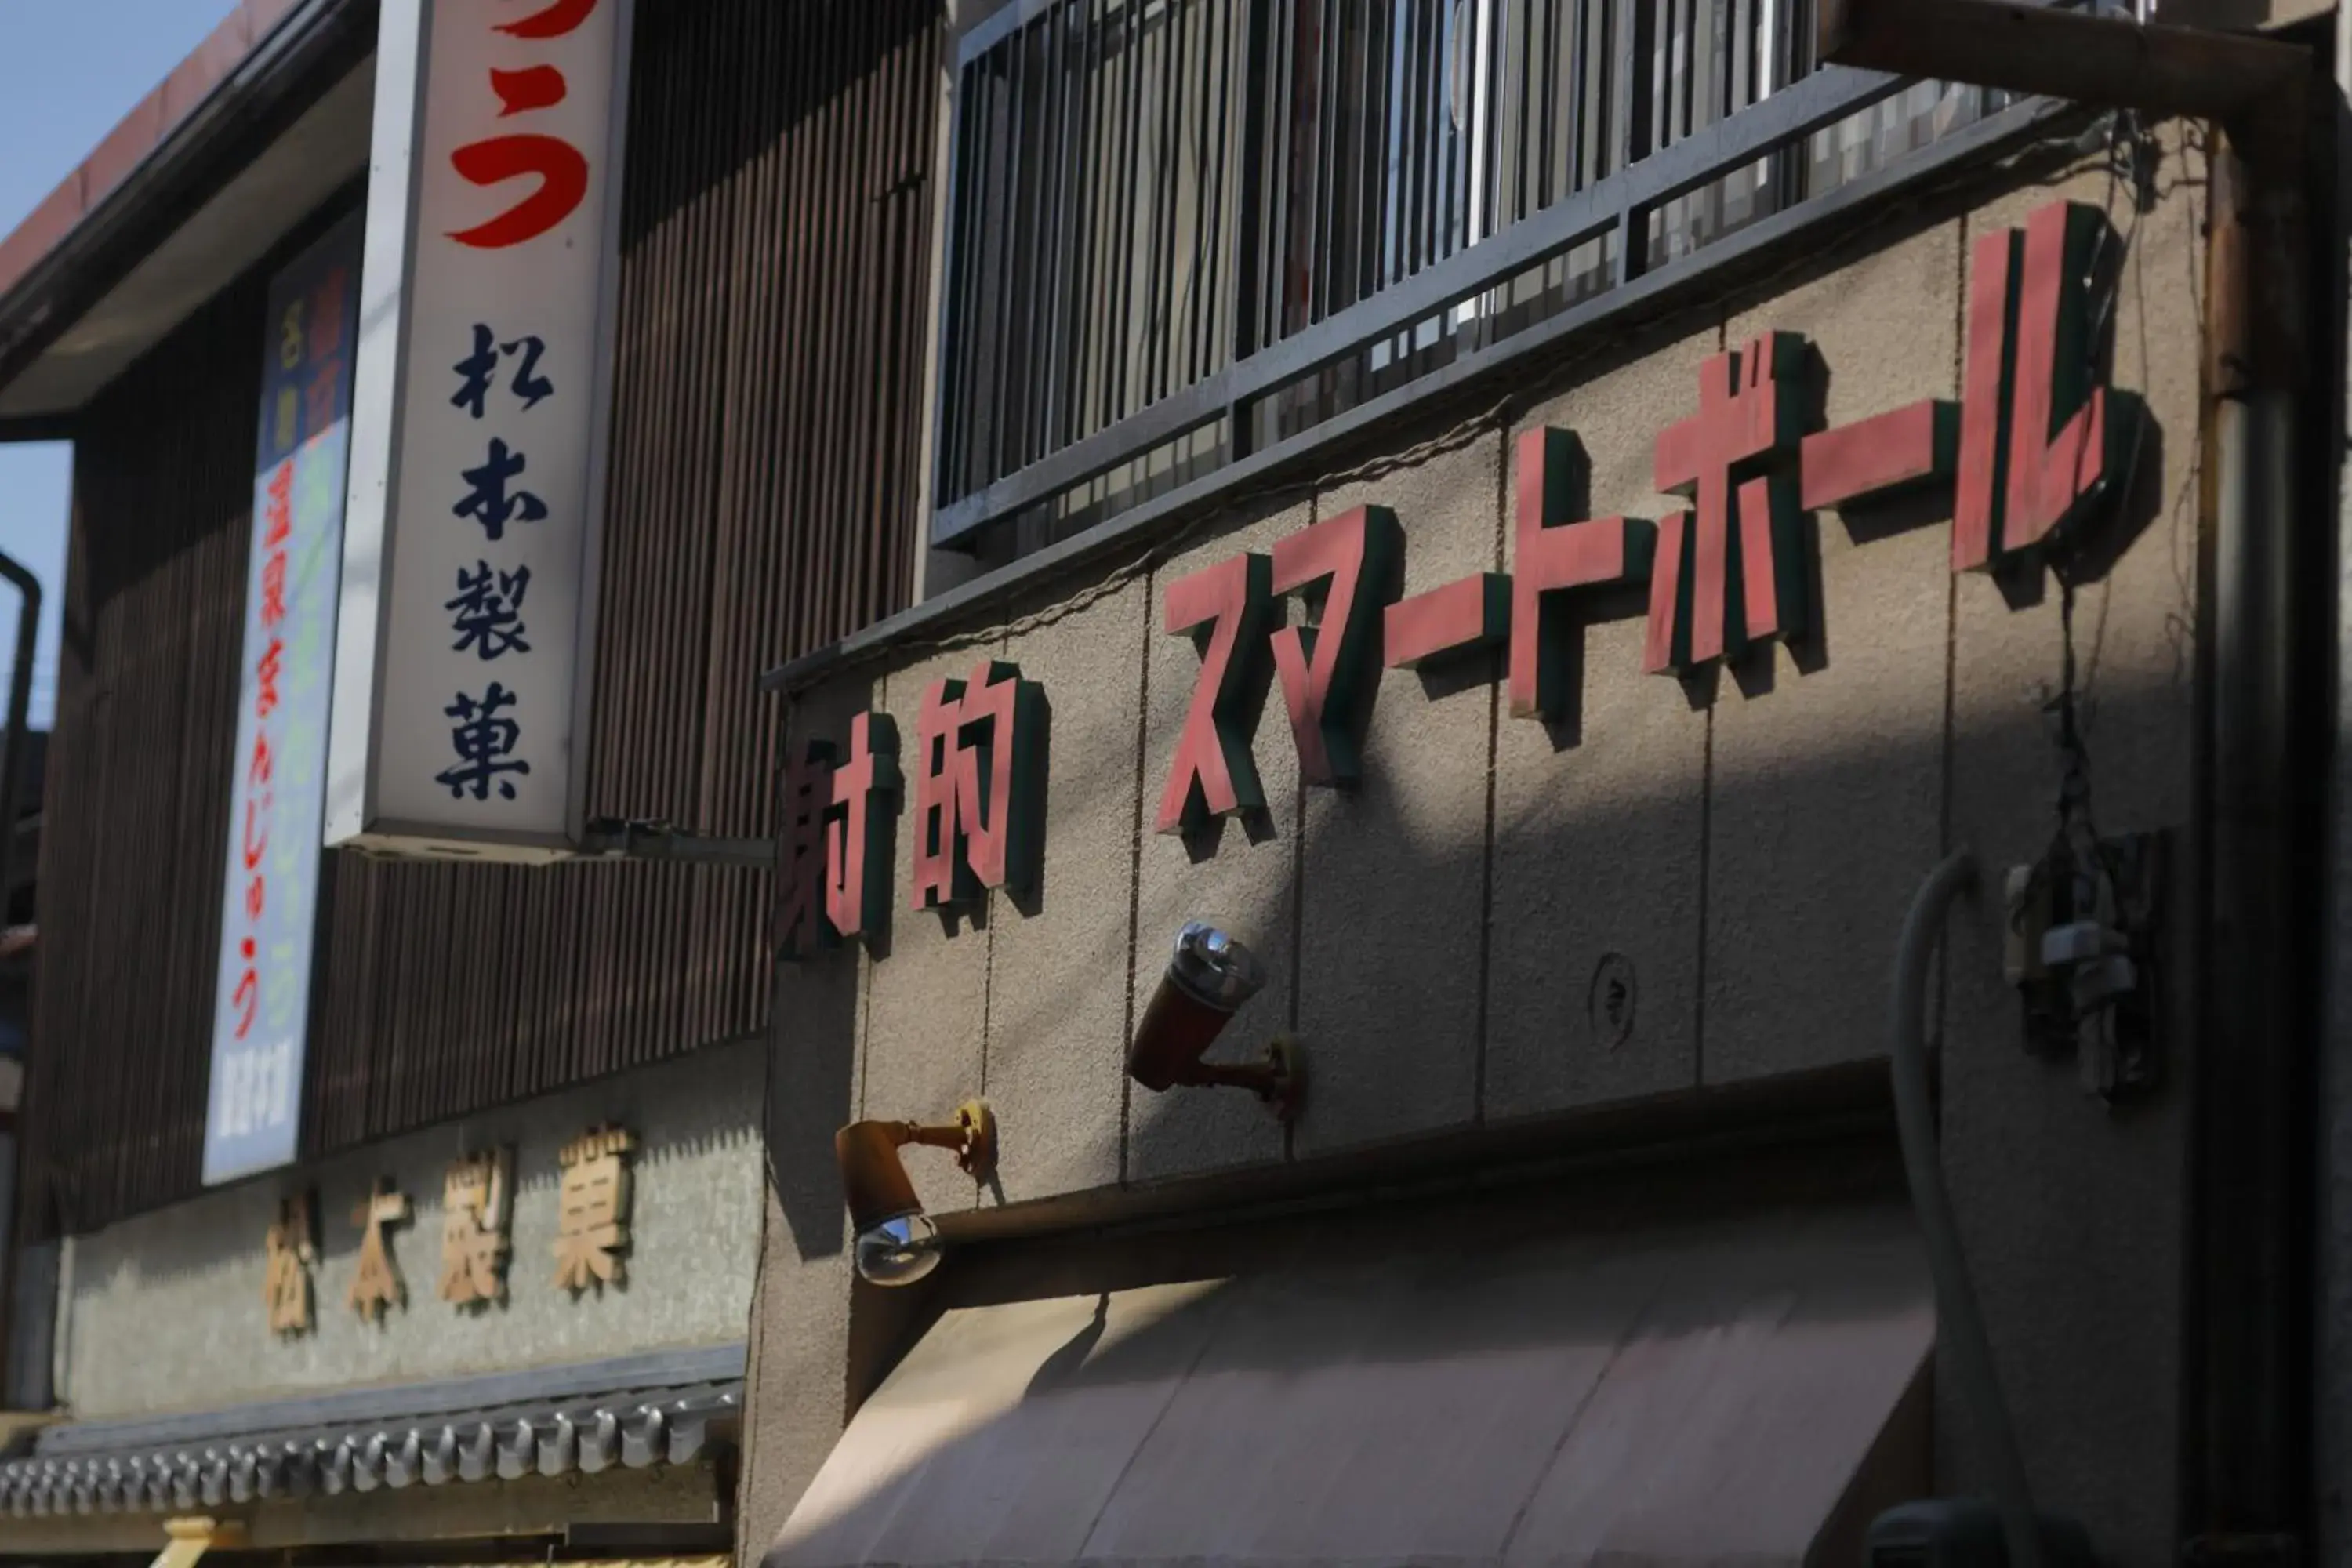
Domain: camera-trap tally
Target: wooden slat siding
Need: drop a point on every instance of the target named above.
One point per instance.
(766, 437)
(137, 794)
(768, 414)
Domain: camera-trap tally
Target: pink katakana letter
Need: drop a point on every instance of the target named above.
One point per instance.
(1737, 457)
(1323, 669)
(1554, 558)
(1213, 774)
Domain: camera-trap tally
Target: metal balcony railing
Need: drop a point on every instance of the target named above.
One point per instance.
(1184, 233)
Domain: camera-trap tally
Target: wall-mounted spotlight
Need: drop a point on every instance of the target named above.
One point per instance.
(896, 1242)
(1209, 976)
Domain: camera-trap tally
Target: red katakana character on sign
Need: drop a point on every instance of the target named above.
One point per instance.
(1731, 571)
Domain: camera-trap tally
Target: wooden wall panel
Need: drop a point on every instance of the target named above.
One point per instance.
(766, 438)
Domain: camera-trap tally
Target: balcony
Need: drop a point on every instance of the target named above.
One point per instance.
(1191, 241)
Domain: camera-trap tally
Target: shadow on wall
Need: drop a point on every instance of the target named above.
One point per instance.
(1748, 878)
(814, 1087)
(2071, 1212)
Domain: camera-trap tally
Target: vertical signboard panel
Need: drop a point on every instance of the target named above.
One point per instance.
(483, 402)
(270, 899)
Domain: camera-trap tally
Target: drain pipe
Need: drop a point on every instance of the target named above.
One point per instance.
(1960, 1321)
(2252, 1083)
(2331, 1381)
(20, 703)
(12, 795)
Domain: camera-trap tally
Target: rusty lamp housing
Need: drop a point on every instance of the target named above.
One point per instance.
(896, 1242)
(1210, 974)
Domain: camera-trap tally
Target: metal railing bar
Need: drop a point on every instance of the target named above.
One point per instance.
(1181, 363)
(1778, 232)
(948, 318)
(1208, 237)
(1395, 166)
(1272, 252)
(1059, 279)
(1176, 67)
(1360, 147)
(987, 185)
(1249, 189)
(1437, 112)
(989, 31)
(1632, 126)
(1401, 210)
(1325, 167)
(1823, 99)
(999, 433)
(1165, 185)
(1026, 216)
(1087, 219)
(1538, 90)
(1130, 138)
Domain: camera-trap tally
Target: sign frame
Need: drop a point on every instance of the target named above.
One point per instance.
(355, 817)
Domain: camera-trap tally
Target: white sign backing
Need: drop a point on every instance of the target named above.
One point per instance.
(464, 653)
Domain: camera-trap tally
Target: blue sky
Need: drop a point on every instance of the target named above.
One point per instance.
(68, 72)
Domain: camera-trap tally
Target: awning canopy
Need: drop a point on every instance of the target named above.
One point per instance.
(1705, 1396)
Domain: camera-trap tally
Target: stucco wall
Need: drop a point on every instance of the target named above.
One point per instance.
(1749, 843)
(164, 1311)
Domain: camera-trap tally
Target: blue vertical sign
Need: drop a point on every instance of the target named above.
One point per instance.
(269, 901)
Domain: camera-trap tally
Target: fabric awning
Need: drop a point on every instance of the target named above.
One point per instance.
(1704, 1396)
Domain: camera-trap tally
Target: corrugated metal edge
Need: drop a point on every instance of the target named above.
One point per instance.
(630, 1428)
(648, 1369)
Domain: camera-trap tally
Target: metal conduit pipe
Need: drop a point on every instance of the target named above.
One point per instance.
(1959, 1321)
(20, 704)
(2331, 1374)
(2248, 1492)
(12, 799)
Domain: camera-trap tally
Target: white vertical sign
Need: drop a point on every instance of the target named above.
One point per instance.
(269, 892)
(466, 633)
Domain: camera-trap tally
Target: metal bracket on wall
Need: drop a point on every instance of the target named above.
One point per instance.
(2083, 954)
(611, 838)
